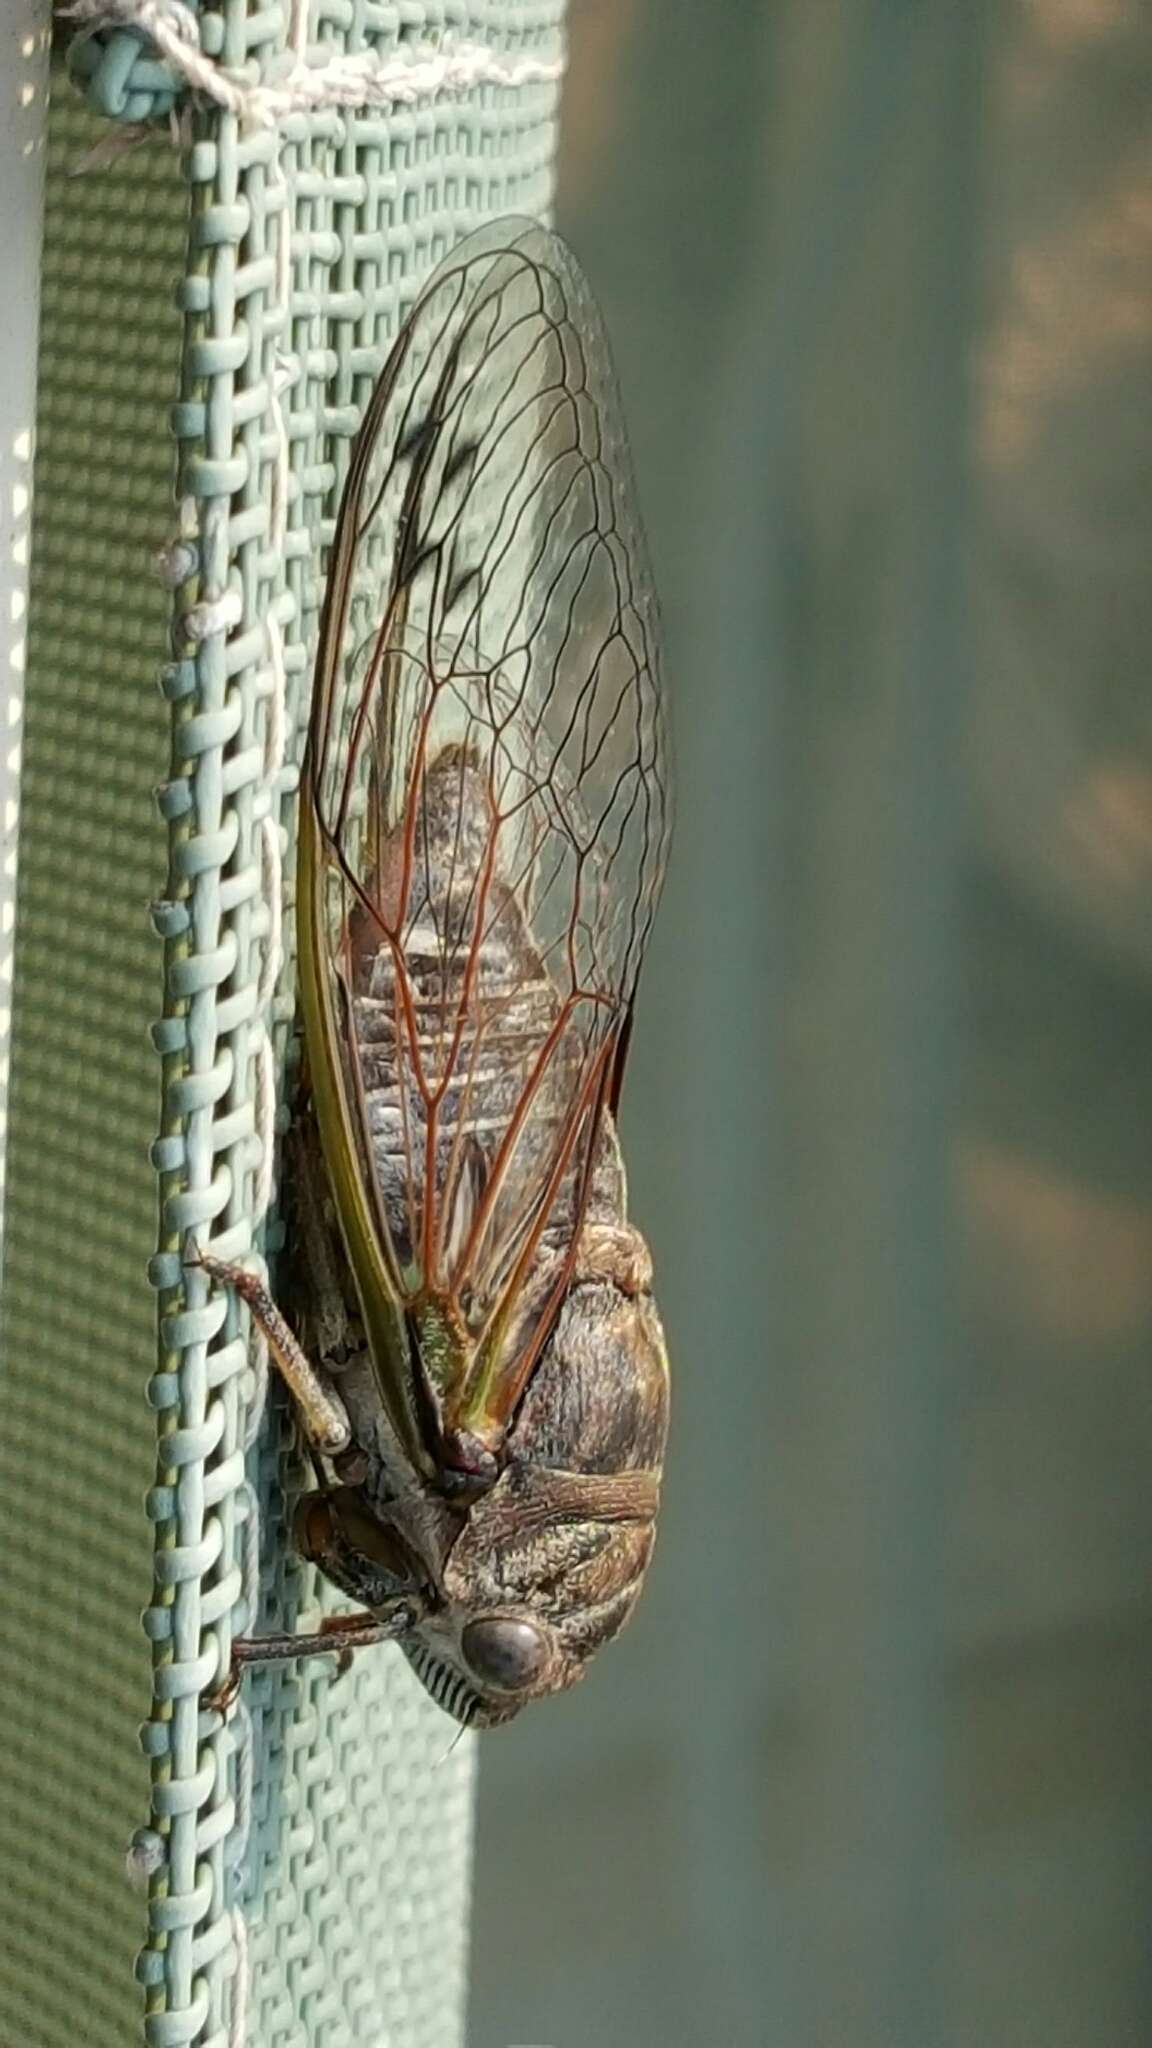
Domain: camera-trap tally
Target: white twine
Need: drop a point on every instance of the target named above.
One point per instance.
(243, 1754)
(272, 885)
(119, 139)
(258, 1401)
(241, 1983)
(265, 1120)
(248, 1516)
(366, 78)
(276, 708)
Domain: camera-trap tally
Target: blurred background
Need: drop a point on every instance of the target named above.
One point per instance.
(871, 1766)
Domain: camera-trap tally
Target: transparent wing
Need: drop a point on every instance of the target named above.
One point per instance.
(487, 773)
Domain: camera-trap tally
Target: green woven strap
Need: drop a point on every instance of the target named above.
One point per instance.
(76, 1437)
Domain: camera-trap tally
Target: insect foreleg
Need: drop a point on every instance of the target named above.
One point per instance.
(322, 1412)
(338, 1635)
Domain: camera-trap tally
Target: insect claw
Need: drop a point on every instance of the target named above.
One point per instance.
(224, 1696)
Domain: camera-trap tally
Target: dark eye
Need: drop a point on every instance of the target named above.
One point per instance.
(505, 1653)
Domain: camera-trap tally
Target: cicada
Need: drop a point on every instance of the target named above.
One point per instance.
(474, 1348)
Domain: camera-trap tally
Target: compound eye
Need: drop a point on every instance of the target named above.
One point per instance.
(504, 1652)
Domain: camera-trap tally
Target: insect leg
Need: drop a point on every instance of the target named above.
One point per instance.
(338, 1635)
(322, 1412)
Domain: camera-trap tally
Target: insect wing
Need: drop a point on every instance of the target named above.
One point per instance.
(485, 817)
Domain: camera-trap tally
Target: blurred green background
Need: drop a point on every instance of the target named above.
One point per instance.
(872, 1766)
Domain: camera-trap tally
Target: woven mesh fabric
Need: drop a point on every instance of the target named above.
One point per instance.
(312, 1890)
(309, 1854)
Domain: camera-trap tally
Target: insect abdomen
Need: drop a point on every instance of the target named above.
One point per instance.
(598, 1398)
